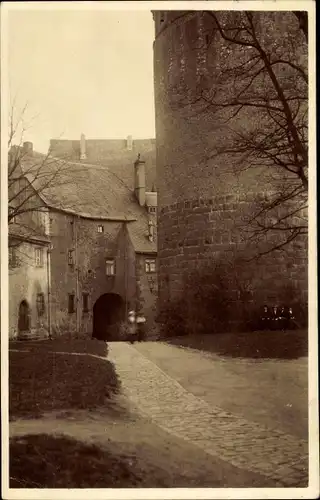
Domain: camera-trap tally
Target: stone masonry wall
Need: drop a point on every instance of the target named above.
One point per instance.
(92, 249)
(25, 282)
(203, 200)
(198, 232)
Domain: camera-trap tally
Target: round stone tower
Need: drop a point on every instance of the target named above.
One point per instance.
(203, 198)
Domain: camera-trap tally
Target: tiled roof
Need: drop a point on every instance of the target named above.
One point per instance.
(88, 190)
(112, 153)
(138, 231)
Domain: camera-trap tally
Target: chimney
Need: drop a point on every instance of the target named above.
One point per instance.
(140, 181)
(129, 143)
(27, 148)
(83, 155)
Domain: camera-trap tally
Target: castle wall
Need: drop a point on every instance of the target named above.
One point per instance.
(204, 198)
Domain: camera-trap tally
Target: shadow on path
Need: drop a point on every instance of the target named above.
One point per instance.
(255, 345)
(63, 462)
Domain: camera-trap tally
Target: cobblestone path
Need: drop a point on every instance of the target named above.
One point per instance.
(281, 457)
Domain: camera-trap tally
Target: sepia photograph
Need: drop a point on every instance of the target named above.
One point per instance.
(159, 332)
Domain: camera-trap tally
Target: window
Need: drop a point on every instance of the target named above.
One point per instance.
(70, 257)
(40, 304)
(110, 267)
(12, 217)
(13, 262)
(50, 224)
(71, 303)
(152, 210)
(39, 257)
(72, 229)
(100, 228)
(150, 265)
(85, 302)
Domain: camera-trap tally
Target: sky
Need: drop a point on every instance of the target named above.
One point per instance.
(79, 72)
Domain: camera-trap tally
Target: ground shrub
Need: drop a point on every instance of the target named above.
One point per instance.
(219, 297)
(171, 320)
(291, 296)
(216, 298)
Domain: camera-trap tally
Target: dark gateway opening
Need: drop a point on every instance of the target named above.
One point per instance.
(108, 312)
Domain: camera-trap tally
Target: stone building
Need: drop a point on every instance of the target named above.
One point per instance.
(29, 252)
(28, 285)
(201, 197)
(103, 242)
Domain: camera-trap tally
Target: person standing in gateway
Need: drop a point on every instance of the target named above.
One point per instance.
(132, 326)
(141, 322)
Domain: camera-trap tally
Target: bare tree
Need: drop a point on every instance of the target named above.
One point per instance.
(302, 17)
(31, 176)
(259, 91)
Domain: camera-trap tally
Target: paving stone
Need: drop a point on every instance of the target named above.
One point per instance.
(243, 443)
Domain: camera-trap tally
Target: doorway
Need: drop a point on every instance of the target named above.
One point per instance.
(108, 312)
(24, 317)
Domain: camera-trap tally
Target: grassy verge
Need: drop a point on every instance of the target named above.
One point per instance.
(85, 346)
(261, 344)
(45, 376)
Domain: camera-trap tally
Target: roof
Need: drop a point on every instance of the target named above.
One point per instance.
(28, 232)
(138, 231)
(91, 191)
(112, 153)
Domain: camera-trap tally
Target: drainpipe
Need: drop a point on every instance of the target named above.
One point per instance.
(77, 277)
(49, 288)
(126, 278)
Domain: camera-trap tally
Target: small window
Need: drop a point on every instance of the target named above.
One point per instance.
(152, 210)
(12, 217)
(70, 257)
(39, 257)
(85, 302)
(150, 265)
(100, 228)
(110, 267)
(40, 304)
(71, 303)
